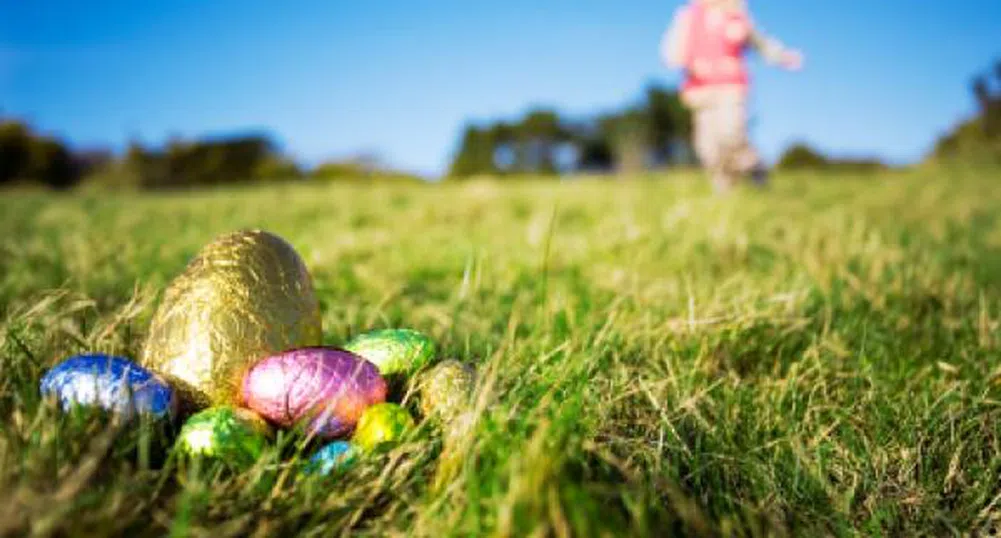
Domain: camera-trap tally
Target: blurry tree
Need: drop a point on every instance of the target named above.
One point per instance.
(278, 168)
(26, 156)
(367, 167)
(537, 137)
(801, 156)
(339, 170)
(543, 142)
(187, 164)
(183, 164)
(594, 150)
(52, 163)
(15, 150)
(630, 136)
(979, 138)
(93, 161)
(670, 123)
(476, 153)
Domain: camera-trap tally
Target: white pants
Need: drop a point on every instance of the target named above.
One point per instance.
(720, 135)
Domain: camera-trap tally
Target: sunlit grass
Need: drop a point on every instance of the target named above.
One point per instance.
(818, 359)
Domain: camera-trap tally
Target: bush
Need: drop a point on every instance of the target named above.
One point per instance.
(27, 157)
(337, 170)
(800, 156)
(278, 169)
(360, 170)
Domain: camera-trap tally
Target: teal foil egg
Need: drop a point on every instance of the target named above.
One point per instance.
(334, 457)
(394, 351)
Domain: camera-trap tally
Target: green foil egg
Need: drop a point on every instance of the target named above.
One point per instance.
(445, 390)
(382, 426)
(232, 435)
(394, 351)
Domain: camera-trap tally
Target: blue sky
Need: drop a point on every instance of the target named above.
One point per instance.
(399, 78)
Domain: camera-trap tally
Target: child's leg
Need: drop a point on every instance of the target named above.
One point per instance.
(709, 145)
(723, 181)
(739, 156)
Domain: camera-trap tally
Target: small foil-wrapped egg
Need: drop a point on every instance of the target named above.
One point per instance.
(334, 457)
(329, 388)
(394, 351)
(445, 389)
(245, 296)
(111, 383)
(382, 426)
(235, 436)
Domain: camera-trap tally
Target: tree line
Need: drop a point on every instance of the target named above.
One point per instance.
(30, 157)
(654, 132)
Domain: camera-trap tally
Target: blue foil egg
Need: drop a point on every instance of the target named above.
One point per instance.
(111, 383)
(337, 456)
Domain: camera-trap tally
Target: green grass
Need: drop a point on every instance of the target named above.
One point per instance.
(821, 359)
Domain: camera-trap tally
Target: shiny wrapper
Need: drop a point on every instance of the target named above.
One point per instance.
(245, 296)
(382, 426)
(232, 435)
(329, 388)
(458, 437)
(394, 351)
(445, 389)
(337, 456)
(114, 384)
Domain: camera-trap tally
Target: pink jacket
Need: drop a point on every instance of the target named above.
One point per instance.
(710, 45)
(714, 52)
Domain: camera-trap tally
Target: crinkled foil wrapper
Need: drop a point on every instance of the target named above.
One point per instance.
(330, 388)
(382, 426)
(112, 383)
(245, 296)
(394, 351)
(236, 436)
(446, 389)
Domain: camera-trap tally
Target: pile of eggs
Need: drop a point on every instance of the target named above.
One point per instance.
(235, 346)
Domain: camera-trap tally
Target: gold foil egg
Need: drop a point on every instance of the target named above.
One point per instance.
(446, 389)
(245, 296)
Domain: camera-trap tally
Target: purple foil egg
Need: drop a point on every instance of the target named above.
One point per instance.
(330, 388)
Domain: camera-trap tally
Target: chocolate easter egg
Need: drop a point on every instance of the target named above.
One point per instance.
(232, 435)
(445, 389)
(245, 296)
(382, 426)
(337, 456)
(326, 387)
(394, 351)
(114, 384)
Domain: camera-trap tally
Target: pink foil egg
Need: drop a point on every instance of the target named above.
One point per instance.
(330, 388)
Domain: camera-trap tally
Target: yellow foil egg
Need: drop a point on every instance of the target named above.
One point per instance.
(245, 296)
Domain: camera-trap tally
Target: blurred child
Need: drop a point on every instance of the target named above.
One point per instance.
(709, 39)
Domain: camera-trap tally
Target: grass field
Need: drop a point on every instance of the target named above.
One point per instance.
(821, 359)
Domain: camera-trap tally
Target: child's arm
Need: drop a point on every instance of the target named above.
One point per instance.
(773, 51)
(673, 45)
